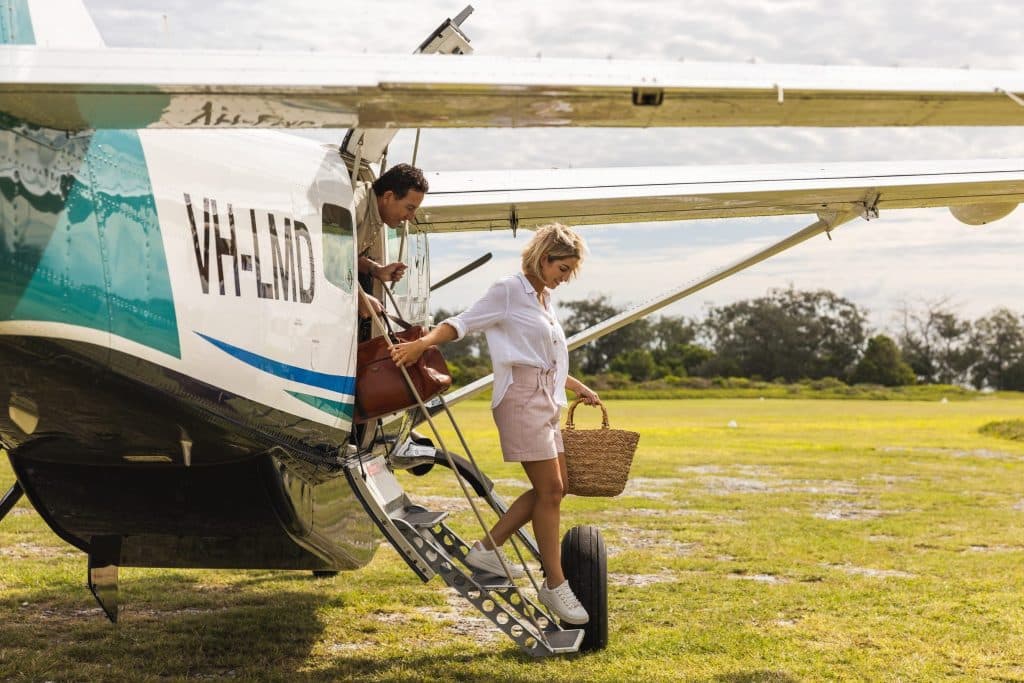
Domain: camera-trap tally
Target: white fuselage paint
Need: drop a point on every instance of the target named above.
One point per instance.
(259, 175)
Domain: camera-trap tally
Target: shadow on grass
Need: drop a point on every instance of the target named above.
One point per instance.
(755, 677)
(164, 630)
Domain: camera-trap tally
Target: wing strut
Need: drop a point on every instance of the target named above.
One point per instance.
(827, 222)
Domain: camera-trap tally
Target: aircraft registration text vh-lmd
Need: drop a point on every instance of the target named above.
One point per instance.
(292, 272)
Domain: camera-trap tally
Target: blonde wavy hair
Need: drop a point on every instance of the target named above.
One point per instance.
(552, 242)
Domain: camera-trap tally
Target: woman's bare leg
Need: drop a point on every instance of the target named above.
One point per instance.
(518, 514)
(546, 477)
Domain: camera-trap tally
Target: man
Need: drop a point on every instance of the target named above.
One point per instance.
(391, 199)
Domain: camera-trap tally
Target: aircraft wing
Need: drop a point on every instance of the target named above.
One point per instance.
(73, 89)
(498, 200)
(976, 192)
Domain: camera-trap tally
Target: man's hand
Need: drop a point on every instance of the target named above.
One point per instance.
(374, 303)
(392, 272)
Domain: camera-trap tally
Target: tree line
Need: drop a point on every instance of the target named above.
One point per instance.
(788, 335)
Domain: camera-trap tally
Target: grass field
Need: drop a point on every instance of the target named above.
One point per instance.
(816, 540)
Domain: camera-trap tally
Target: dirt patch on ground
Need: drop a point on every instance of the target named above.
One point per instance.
(870, 571)
(146, 613)
(641, 580)
(521, 484)
(993, 549)
(24, 551)
(458, 616)
(628, 538)
(443, 503)
(727, 485)
(700, 469)
(986, 453)
(653, 488)
(759, 578)
(846, 511)
(890, 479)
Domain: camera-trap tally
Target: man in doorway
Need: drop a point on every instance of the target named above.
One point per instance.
(388, 201)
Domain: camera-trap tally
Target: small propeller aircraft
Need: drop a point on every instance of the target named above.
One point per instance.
(177, 278)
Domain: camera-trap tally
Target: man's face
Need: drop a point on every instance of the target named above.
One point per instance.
(394, 210)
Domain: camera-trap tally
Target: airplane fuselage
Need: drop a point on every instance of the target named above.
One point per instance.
(177, 343)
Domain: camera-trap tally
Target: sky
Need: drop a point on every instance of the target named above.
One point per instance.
(904, 258)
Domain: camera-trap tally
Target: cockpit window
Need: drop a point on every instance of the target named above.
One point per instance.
(339, 252)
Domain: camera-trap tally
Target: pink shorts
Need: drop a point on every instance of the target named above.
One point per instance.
(527, 416)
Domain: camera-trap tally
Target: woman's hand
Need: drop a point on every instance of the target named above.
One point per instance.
(588, 395)
(408, 353)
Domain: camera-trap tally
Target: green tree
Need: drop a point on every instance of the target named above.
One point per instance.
(637, 363)
(937, 344)
(883, 364)
(999, 340)
(789, 334)
(596, 357)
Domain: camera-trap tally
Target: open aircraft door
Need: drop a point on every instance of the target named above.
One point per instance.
(370, 145)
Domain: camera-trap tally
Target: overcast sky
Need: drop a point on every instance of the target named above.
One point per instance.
(904, 256)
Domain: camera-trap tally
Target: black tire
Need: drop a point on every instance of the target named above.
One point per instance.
(324, 573)
(585, 562)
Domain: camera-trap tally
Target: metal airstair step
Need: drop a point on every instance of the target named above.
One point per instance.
(422, 519)
(429, 547)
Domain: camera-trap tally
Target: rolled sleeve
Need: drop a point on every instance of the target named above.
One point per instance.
(491, 308)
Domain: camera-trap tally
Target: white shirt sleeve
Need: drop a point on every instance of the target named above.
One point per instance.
(491, 308)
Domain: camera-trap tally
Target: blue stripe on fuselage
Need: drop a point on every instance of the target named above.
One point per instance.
(342, 384)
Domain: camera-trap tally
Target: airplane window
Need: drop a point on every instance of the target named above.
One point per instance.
(339, 252)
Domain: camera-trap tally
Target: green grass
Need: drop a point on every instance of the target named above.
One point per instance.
(1005, 429)
(816, 540)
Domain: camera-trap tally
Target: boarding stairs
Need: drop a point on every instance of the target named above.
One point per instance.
(430, 547)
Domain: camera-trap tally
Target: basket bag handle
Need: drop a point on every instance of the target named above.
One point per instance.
(572, 409)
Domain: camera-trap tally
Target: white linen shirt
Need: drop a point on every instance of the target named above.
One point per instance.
(519, 332)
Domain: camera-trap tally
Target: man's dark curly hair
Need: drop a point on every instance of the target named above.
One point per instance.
(399, 179)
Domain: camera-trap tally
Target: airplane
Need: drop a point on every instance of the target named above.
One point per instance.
(177, 292)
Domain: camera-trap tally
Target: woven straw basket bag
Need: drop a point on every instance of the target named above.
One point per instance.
(597, 460)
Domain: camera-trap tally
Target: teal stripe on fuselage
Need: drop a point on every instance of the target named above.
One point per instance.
(16, 23)
(95, 259)
(336, 408)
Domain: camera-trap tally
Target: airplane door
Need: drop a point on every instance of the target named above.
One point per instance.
(412, 292)
(370, 144)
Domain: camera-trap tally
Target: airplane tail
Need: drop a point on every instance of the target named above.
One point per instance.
(47, 23)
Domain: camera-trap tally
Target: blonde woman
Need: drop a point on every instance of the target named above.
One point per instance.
(531, 363)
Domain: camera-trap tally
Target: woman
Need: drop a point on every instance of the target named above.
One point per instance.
(531, 362)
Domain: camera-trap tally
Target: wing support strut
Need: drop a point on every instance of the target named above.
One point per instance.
(1013, 96)
(827, 221)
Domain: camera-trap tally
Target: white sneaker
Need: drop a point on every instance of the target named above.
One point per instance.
(562, 601)
(487, 560)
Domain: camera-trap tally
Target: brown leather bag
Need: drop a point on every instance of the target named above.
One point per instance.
(380, 386)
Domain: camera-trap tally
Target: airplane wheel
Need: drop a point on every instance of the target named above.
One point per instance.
(324, 573)
(585, 562)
